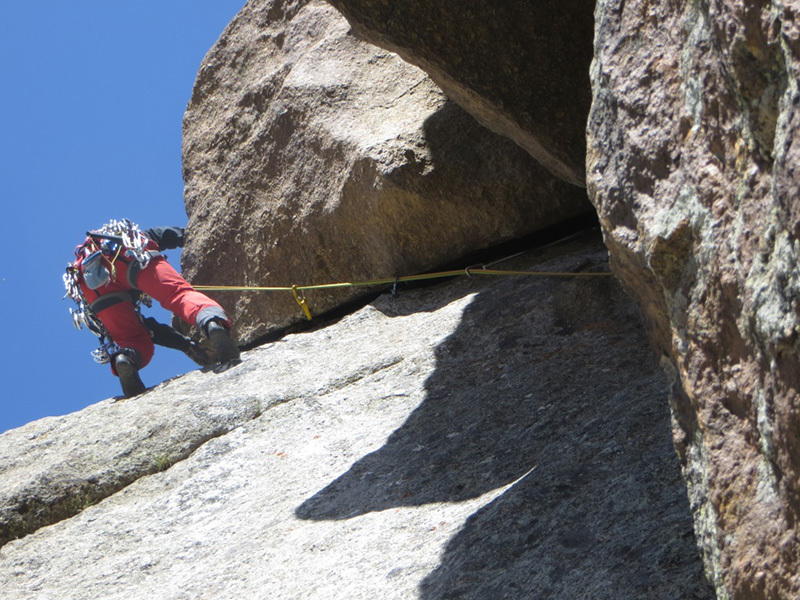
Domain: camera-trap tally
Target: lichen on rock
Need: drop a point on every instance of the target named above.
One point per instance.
(692, 167)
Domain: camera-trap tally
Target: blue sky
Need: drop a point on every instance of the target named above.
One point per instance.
(90, 122)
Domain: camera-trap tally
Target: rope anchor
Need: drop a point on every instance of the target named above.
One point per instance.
(301, 300)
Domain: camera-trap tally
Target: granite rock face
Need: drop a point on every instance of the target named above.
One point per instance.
(53, 468)
(483, 438)
(313, 157)
(520, 67)
(693, 167)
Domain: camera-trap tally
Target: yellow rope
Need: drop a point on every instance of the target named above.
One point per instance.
(388, 280)
(300, 298)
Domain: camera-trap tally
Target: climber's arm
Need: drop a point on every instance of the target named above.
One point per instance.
(167, 238)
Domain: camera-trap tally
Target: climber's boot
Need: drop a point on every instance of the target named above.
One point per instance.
(220, 336)
(126, 364)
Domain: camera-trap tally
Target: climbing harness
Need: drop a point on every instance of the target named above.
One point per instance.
(98, 257)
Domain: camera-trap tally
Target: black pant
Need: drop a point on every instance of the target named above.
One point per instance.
(167, 336)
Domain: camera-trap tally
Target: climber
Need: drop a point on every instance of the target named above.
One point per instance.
(115, 267)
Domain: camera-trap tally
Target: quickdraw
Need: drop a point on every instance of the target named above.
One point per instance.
(115, 236)
(105, 352)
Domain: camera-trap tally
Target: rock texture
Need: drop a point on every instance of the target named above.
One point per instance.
(54, 468)
(485, 438)
(693, 167)
(520, 67)
(312, 157)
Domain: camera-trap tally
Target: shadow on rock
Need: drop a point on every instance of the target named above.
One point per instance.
(550, 384)
(569, 531)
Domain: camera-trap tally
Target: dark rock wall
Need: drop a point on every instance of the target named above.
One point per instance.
(692, 164)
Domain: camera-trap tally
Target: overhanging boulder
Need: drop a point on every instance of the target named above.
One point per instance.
(311, 157)
(519, 67)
